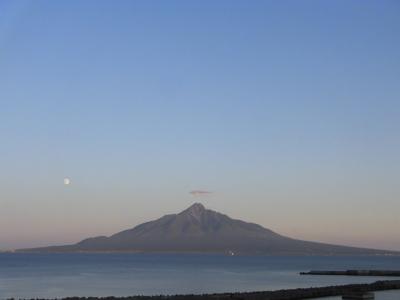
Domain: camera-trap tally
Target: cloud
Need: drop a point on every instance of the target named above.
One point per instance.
(198, 193)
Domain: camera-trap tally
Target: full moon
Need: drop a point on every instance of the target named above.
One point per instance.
(67, 181)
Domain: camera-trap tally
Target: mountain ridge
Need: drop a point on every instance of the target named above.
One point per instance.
(200, 230)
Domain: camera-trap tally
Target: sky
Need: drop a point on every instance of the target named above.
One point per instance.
(282, 113)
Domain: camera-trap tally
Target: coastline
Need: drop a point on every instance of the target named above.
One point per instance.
(285, 294)
(224, 253)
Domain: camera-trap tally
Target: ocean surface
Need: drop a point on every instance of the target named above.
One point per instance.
(62, 275)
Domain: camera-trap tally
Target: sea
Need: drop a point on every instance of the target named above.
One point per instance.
(52, 276)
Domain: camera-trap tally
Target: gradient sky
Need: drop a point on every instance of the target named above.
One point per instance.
(288, 111)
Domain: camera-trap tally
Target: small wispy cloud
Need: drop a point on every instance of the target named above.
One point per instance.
(197, 193)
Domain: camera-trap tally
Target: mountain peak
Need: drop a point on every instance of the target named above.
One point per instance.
(195, 210)
(197, 206)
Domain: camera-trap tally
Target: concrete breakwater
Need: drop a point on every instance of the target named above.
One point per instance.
(355, 273)
(290, 294)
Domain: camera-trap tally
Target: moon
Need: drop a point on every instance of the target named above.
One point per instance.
(67, 181)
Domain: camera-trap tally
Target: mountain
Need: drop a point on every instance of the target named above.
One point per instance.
(200, 230)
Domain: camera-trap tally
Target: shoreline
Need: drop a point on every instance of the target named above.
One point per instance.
(286, 294)
(201, 253)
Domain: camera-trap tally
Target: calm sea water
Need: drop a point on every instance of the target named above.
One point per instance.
(61, 275)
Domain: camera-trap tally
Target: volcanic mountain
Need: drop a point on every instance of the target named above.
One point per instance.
(200, 230)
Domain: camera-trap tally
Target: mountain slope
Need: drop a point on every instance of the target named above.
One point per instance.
(198, 229)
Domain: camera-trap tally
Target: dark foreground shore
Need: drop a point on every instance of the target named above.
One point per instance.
(291, 294)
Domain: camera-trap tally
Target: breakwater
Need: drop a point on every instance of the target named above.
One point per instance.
(355, 273)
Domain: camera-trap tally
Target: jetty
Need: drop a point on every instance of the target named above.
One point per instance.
(359, 296)
(388, 273)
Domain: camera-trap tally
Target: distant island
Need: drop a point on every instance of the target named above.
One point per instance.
(201, 230)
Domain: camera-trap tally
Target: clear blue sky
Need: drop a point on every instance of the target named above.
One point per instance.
(288, 111)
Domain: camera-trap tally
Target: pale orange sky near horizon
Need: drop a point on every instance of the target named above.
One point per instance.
(70, 223)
